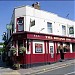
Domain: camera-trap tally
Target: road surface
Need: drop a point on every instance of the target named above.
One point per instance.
(64, 70)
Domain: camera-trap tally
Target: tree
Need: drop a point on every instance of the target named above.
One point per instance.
(1, 47)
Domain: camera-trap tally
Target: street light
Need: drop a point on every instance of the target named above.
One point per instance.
(4, 33)
(4, 36)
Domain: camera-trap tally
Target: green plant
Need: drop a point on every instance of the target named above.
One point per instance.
(13, 50)
(60, 47)
(16, 66)
(22, 49)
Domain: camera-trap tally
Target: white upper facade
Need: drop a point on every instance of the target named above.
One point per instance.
(40, 21)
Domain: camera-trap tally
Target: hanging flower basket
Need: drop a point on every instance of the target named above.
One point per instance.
(60, 47)
(22, 50)
(13, 50)
(16, 66)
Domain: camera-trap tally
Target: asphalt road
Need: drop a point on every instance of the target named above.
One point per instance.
(66, 70)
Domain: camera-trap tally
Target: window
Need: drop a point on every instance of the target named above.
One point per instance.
(20, 43)
(51, 49)
(38, 48)
(49, 27)
(20, 24)
(71, 30)
(67, 47)
(63, 30)
(32, 22)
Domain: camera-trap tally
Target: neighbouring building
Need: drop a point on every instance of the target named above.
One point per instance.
(41, 32)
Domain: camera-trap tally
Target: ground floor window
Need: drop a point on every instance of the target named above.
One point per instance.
(38, 48)
(67, 47)
(51, 47)
(20, 43)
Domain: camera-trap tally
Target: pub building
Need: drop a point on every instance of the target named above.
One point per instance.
(41, 33)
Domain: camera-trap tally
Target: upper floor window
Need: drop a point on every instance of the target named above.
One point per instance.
(20, 24)
(32, 22)
(71, 30)
(49, 27)
(63, 30)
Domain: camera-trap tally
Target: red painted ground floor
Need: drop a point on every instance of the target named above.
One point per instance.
(41, 48)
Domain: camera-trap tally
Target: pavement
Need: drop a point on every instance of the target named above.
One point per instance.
(34, 70)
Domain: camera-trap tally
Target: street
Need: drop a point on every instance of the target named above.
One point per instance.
(64, 70)
(59, 68)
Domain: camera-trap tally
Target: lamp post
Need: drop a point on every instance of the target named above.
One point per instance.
(4, 36)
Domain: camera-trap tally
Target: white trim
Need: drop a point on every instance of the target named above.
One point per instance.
(70, 47)
(46, 48)
(38, 42)
(28, 52)
(17, 48)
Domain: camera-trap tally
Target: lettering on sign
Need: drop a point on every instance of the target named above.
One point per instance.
(49, 37)
(55, 38)
(36, 36)
(68, 39)
(58, 38)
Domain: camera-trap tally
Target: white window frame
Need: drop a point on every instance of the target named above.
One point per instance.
(49, 29)
(63, 31)
(38, 42)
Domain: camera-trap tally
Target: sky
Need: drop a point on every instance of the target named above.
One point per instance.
(59, 7)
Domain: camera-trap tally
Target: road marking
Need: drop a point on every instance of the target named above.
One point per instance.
(11, 73)
(70, 73)
(54, 68)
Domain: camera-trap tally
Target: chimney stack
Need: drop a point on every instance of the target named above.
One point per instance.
(36, 5)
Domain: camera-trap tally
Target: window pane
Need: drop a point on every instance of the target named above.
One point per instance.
(20, 23)
(38, 48)
(51, 49)
(49, 27)
(71, 30)
(63, 30)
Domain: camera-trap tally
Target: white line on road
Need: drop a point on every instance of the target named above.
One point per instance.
(70, 73)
